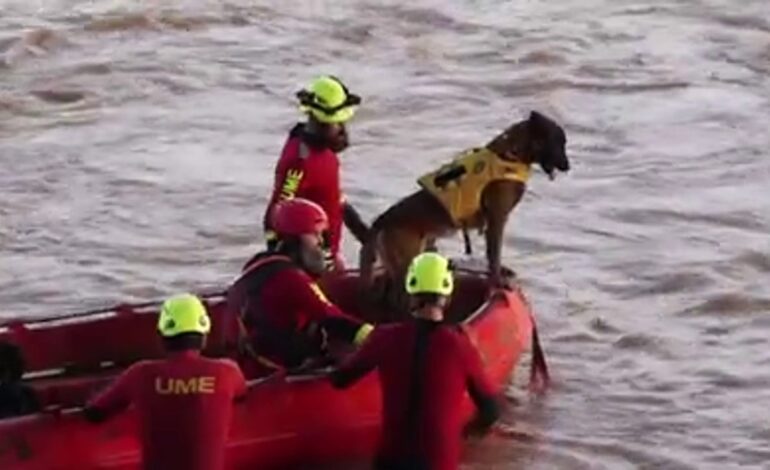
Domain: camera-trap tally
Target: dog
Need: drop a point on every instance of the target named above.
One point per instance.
(497, 174)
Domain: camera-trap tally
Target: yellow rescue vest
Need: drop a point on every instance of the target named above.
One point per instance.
(458, 185)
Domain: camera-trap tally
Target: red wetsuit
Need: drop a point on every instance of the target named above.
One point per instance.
(184, 405)
(278, 301)
(309, 170)
(425, 369)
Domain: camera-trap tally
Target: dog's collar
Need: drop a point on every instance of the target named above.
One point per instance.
(508, 156)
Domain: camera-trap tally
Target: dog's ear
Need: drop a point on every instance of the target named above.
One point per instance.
(538, 123)
(544, 127)
(535, 117)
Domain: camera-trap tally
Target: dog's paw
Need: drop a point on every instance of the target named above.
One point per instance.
(500, 281)
(507, 272)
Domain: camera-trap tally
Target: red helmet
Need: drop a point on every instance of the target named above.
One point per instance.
(299, 216)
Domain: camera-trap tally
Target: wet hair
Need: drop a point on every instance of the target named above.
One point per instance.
(313, 134)
(11, 362)
(184, 342)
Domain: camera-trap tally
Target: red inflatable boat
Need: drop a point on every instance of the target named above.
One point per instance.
(285, 421)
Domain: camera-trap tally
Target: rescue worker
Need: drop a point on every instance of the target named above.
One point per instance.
(283, 312)
(309, 166)
(16, 397)
(184, 402)
(425, 367)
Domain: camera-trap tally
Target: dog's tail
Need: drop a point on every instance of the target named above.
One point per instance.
(367, 257)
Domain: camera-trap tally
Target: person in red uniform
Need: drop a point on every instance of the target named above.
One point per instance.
(309, 166)
(184, 402)
(285, 315)
(425, 367)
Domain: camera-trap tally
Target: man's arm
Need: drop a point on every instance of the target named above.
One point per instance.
(310, 299)
(360, 363)
(480, 389)
(112, 400)
(238, 380)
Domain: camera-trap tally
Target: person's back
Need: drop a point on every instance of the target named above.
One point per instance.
(425, 367)
(183, 400)
(311, 173)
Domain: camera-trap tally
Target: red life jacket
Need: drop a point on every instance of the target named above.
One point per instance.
(269, 340)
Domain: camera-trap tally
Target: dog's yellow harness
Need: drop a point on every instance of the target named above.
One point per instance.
(458, 185)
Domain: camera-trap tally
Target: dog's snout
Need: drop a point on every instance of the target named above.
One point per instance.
(562, 162)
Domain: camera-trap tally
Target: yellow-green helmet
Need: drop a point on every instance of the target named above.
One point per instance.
(328, 100)
(183, 313)
(429, 273)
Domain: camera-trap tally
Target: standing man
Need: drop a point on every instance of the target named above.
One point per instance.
(425, 367)
(184, 402)
(309, 166)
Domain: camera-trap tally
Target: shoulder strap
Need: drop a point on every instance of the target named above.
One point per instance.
(263, 260)
(257, 273)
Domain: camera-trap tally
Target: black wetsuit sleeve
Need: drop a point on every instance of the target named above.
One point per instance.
(479, 386)
(488, 409)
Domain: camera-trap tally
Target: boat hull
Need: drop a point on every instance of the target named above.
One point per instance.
(284, 421)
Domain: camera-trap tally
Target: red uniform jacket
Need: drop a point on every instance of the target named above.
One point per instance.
(184, 405)
(425, 368)
(277, 300)
(311, 172)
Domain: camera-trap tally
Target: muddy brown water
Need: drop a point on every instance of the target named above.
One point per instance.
(137, 141)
